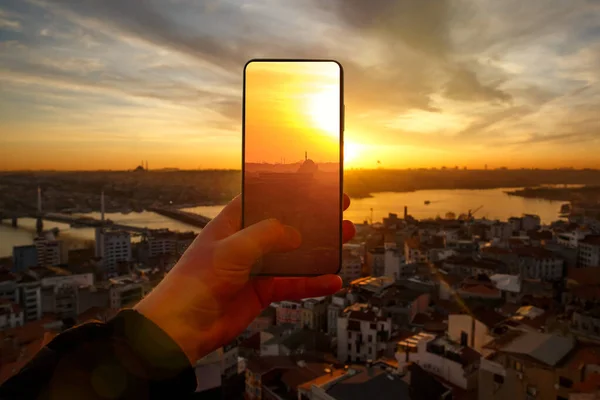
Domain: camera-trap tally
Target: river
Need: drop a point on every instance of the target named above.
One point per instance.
(496, 205)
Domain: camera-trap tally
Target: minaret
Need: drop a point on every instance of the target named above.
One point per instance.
(305, 155)
(39, 200)
(102, 207)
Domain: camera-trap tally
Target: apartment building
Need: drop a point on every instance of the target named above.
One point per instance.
(534, 365)
(451, 361)
(362, 333)
(289, 312)
(314, 314)
(588, 254)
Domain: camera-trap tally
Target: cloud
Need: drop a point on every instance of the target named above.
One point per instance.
(505, 72)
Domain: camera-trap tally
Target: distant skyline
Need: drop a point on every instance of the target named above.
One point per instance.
(102, 84)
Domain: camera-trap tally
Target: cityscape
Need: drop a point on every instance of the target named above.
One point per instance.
(450, 307)
(470, 155)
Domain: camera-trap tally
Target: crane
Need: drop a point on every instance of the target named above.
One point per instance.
(472, 212)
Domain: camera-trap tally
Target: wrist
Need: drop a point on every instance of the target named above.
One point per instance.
(193, 341)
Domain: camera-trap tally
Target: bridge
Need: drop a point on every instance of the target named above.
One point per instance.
(196, 220)
(72, 220)
(189, 218)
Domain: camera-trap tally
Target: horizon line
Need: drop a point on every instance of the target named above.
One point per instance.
(173, 169)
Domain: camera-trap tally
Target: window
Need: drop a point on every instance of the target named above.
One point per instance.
(370, 339)
(565, 382)
(518, 366)
(373, 326)
(498, 379)
(464, 338)
(349, 335)
(349, 346)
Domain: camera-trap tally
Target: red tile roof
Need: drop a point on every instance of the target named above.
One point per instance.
(480, 289)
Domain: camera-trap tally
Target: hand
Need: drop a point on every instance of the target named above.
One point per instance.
(209, 298)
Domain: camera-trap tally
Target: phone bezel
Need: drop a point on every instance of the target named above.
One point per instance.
(341, 161)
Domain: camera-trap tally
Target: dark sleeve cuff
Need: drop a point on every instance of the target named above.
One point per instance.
(162, 360)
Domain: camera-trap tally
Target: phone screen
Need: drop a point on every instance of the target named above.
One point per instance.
(292, 154)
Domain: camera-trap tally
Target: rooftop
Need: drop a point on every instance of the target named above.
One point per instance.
(535, 252)
(507, 283)
(593, 240)
(373, 384)
(545, 348)
(372, 284)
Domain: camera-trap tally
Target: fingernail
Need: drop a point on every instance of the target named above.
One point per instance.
(292, 236)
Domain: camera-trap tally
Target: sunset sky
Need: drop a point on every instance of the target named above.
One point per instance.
(292, 107)
(103, 84)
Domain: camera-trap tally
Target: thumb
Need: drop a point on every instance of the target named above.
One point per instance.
(245, 247)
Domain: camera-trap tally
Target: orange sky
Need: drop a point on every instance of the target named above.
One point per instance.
(292, 107)
(102, 85)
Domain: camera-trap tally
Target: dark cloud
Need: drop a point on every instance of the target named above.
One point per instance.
(422, 25)
(465, 86)
(482, 124)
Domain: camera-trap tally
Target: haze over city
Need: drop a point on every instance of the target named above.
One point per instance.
(101, 84)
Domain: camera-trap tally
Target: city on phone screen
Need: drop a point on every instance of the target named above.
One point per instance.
(292, 155)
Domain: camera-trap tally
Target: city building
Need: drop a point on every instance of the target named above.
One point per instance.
(474, 329)
(279, 377)
(501, 230)
(469, 266)
(125, 291)
(214, 368)
(113, 247)
(264, 320)
(586, 323)
(338, 303)
(314, 314)
(351, 265)
(509, 285)
(376, 261)
(589, 252)
(289, 312)
(61, 300)
(24, 257)
(480, 287)
(415, 252)
(455, 363)
(11, 315)
(299, 341)
(166, 242)
(539, 263)
(401, 303)
(534, 365)
(376, 381)
(530, 222)
(8, 287)
(30, 296)
(571, 237)
(49, 252)
(362, 333)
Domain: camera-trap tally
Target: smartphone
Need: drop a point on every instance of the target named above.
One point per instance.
(293, 123)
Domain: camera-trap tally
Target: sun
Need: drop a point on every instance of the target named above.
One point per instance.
(351, 152)
(324, 110)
